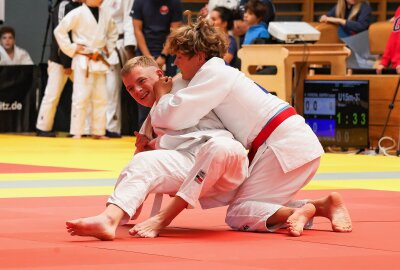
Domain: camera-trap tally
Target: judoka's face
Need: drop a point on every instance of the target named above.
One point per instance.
(189, 65)
(7, 41)
(140, 83)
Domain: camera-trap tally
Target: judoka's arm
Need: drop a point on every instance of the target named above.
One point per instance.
(62, 37)
(187, 106)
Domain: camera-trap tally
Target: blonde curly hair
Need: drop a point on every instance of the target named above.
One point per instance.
(200, 36)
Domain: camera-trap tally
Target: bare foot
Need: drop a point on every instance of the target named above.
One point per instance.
(296, 222)
(333, 208)
(149, 228)
(76, 137)
(101, 227)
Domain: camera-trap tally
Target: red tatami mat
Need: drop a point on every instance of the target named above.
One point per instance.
(33, 236)
(22, 168)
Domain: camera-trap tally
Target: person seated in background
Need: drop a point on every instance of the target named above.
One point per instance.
(222, 18)
(11, 54)
(254, 13)
(240, 27)
(352, 17)
(391, 56)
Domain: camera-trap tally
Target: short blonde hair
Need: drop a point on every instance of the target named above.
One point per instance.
(138, 61)
(201, 36)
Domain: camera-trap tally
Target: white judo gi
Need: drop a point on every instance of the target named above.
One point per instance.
(119, 10)
(21, 57)
(89, 75)
(283, 164)
(204, 156)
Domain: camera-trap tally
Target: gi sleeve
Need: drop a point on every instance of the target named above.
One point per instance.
(61, 33)
(187, 106)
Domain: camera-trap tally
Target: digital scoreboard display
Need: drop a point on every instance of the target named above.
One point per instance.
(337, 111)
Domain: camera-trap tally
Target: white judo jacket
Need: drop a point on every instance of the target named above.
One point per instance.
(88, 32)
(207, 127)
(21, 57)
(243, 107)
(120, 10)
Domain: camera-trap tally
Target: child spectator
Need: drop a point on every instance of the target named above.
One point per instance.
(254, 14)
(94, 35)
(11, 54)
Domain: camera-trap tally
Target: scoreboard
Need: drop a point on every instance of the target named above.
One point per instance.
(337, 111)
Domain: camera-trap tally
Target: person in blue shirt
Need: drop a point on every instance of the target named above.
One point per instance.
(222, 18)
(254, 14)
(352, 17)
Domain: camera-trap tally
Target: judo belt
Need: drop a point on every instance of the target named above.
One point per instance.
(94, 57)
(272, 124)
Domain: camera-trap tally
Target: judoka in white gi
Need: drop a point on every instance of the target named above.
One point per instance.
(11, 54)
(204, 156)
(58, 70)
(124, 50)
(284, 151)
(94, 35)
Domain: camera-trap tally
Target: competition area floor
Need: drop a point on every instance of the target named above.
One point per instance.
(46, 181)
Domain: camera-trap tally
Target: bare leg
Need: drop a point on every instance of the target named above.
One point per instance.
(334, 208)
(295, 218)
(102, 226)
(151, 227)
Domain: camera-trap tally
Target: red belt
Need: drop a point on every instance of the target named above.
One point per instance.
(268, 129)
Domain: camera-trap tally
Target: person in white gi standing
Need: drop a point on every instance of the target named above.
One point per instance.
(59, 70)
(94, 35)
(284, 151)
(11, 54)
(205, 147)
(124, 50)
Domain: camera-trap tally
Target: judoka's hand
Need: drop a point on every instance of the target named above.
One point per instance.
(398, 69)
(142, 143)
(162, 87)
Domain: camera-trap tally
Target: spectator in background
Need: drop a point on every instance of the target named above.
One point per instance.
(125, 50)
(352, 17)
(94, 35)
(391, 56)
(209, 7)
(240, 27)
(152, 22)
(222, 18)
(11, 54)
(254, 14)
(59, 70)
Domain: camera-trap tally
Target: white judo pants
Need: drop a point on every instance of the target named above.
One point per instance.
(266, 190)
(88, 91)
(55, 85)
(164, 171)
(113, 113)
